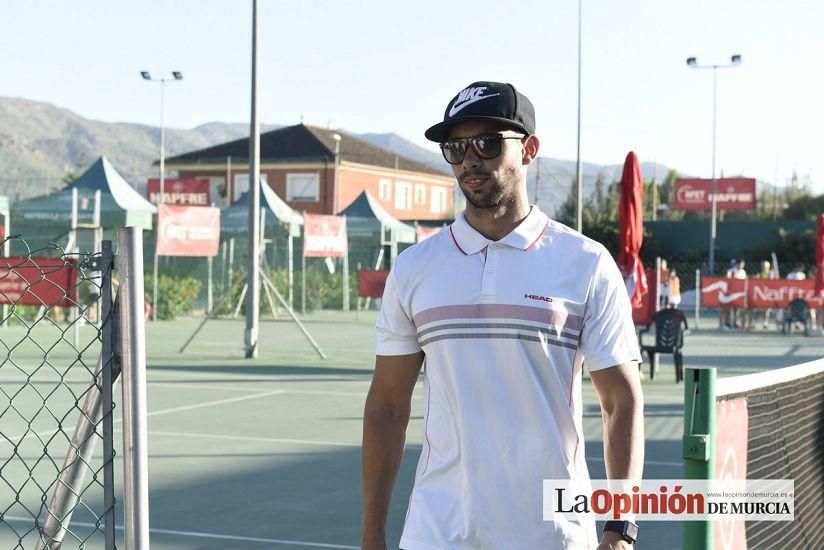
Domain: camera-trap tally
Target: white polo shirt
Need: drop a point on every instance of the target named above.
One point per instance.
(506, 327)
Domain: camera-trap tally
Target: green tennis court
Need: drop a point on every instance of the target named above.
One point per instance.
(265, 453)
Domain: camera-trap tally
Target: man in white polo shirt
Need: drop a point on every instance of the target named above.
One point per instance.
(506, 307)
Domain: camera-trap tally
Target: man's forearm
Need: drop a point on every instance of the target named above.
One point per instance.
(384, 433)
(624, 441)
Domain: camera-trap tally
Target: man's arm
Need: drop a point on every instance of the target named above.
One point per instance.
(385, 418)
(622, 407)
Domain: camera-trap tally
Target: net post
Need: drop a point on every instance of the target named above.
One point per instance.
(698, 444)
(133, 365)
(108, 374)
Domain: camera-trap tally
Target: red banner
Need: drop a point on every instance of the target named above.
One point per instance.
(189, 192)
(46, 282)
(731, 194)
(642, 314)
(187, 230)
(732, 421)
(723, 292)
(324, 236)
(371, 283)
(758, 293)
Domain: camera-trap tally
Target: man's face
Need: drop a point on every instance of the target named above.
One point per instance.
(487, 183)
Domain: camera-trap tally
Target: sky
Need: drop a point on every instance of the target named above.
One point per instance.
(380, 66)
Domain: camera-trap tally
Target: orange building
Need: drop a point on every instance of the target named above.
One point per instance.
(298, 163)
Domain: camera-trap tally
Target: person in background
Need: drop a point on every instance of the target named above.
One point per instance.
(797, 274)
(725, 319)
(663, 281)
(673, 290)
(766, 273)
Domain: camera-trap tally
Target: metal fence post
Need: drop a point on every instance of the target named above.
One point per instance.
(109, 332)
(698, 445)
(133, 364)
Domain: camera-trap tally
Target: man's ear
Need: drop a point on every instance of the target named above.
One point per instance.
(531, 146)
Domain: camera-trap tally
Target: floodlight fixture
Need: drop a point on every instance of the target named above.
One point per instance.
(145, 75)
(178, 75)
(736, 59)
(336, 137)
(691, 61)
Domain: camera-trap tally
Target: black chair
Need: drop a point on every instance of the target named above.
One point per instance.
(798, 311)
(669, 338)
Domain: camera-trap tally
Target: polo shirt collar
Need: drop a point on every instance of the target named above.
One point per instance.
(469, 241)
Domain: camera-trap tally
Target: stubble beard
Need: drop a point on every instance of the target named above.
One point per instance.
(501, 191)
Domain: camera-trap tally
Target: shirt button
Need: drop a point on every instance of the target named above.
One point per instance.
(490, 270)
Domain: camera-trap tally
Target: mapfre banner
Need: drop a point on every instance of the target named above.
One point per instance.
(189, 192)
(758, 293)
(187, 230)
(731, 194)
(324, 236)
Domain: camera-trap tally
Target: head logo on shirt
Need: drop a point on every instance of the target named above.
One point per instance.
(537, 297)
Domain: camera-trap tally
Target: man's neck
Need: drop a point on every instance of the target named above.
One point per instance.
(496, 223)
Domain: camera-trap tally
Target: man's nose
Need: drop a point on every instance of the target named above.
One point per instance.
(471, 159)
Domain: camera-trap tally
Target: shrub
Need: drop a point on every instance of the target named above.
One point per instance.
(175, 295)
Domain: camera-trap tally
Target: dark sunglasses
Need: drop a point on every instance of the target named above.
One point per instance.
(486, 146)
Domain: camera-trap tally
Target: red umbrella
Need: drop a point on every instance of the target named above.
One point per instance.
(819, 257)
(631, 230)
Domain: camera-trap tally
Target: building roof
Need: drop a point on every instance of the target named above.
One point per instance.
(302, 143)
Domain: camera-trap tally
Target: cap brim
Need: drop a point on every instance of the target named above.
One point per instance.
(440, 132)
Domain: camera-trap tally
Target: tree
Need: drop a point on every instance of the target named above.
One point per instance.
(74, 174)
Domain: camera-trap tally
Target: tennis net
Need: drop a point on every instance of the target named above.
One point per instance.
(784, 440)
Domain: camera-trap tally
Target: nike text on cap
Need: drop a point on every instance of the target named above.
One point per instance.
(486, 101)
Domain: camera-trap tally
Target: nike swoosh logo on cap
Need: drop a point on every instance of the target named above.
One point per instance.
(458, 106)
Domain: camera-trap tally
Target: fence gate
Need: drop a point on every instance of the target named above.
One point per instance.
(58, 371)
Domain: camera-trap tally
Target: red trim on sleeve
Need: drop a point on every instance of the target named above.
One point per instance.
(454, 240)
(539, 236)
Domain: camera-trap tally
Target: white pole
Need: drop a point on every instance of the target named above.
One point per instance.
(253, 271)
(714, 215)
(345, 274)
(209, 284)
(579, 177)
(162, 191)
(291, 252)
(697, 298)
(133, 364)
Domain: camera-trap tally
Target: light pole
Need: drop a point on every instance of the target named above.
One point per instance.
(253, 272)
(579, 169)
(735, 61)
(337, 139)
(176, 76)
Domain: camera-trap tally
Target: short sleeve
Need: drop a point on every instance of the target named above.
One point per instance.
(396, 333)
(608, 337)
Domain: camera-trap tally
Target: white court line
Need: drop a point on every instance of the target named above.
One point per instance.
(232, 388)
(212, 403)
(650, 462)
(211, 535)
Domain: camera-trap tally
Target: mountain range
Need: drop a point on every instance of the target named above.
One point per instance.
(40, 143)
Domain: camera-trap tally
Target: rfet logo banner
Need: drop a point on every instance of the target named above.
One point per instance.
(324, 236)
(190, 192)
(731, 194)
(187, 230)
(45, 282)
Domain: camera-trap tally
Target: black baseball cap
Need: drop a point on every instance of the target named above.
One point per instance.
(494, 101)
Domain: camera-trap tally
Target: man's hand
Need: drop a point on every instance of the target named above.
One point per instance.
(613, 541)
(373, 543)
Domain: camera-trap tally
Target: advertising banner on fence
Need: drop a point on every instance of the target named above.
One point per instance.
(731, 194)
(187, 230)
(371, 282)
(45, 282)
(189, 192)
(758, 293)
(723, 292)
(324, 236)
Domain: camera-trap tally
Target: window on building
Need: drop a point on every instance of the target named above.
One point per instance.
(420, 193)
(241, 185)
(385, 189)
(217, 189)
(438, 203)
(403, 195)
(303, 187)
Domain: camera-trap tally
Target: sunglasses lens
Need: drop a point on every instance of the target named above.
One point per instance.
(487, 147)
(454, 151)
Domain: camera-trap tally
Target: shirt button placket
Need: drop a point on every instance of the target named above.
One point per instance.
(490, 271)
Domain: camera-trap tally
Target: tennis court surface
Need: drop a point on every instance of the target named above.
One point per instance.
(266, 453)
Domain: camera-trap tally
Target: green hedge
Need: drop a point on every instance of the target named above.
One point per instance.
(176, 295)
